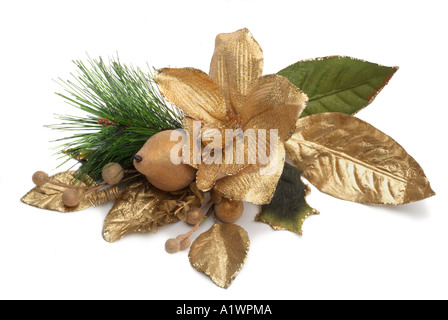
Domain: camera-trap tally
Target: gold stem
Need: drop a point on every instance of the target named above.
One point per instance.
(105, 184)
(196, 226)
(94, 189)
(65, 185)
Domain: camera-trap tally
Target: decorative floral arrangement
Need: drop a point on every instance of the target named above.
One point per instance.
(183, 145)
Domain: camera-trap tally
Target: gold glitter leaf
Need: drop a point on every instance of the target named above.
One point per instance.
(220, 252)
(194, 92)
(350, 159)
(236, 63)
(144, 208)
(49, 196)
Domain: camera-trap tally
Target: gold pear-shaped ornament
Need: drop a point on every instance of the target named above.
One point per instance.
(154, 160)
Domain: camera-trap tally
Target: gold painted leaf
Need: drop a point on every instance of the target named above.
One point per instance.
(350, 159)
(220, 252)
(236, 63)
(194, 92)
(144, 208)
(49, 196)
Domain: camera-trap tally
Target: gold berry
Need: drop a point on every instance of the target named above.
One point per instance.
(172, 245)
(112, 173)
(154, 161)
(229, 211)
(70, 198)
(40, 178)
(185, 243)
(194, 216)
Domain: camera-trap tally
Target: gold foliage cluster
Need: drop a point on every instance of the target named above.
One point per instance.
(338, 153)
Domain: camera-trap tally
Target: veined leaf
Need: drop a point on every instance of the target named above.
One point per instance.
(288, 208)
(143, 208)
(220, 252)
(337, 83)
(49, 196)
(350, 159)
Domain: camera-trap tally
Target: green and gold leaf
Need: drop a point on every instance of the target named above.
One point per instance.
(143, 208)
(338, 83)
(49, 196)
(220, 252)
(349, 159)
(288, 208)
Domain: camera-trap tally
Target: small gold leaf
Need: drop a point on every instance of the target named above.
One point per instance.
(350, 159)
(144, 208)
(220, 252)
(49, 196)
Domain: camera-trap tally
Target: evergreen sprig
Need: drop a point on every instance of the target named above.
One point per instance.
(124, 108)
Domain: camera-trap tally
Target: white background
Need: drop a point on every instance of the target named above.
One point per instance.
(349, 251)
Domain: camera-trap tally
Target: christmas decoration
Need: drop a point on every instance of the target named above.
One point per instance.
(206, 143)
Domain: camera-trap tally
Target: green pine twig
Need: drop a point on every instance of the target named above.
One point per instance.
(124, 108)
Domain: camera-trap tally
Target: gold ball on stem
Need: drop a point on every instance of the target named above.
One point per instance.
(194, 216)
(229, 211)
(112, 173)
(40, 178)
(185, 242)
(172, 245)
(70, 198)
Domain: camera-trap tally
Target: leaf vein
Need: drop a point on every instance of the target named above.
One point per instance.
(342, 155)
(333, 92)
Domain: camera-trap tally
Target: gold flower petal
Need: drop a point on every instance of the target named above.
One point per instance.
(209, 173)
(213, 135)
(273, 103)
(250, 184)
(236, 63)
(193, 147)
(194, 92)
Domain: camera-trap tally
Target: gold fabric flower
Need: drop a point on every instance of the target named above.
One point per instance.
(235, 95)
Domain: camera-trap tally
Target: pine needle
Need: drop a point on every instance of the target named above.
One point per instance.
(124, 108)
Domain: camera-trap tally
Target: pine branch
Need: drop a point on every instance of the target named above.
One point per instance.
(124, 108)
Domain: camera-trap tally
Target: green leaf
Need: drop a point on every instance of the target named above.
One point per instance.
(338, 84)
(288, 208)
